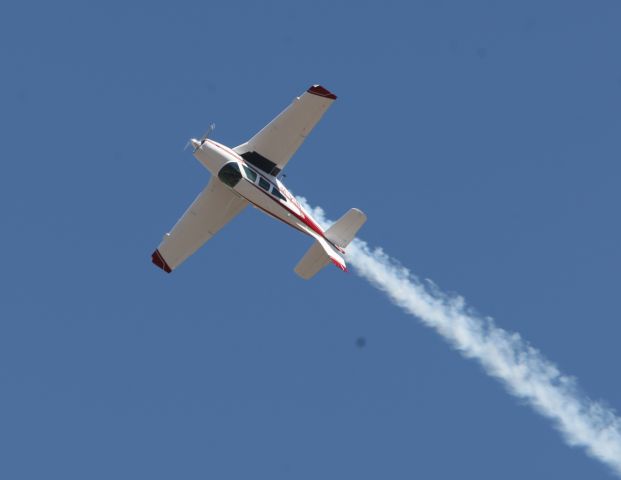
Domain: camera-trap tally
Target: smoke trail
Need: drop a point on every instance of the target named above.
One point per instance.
(522, 369)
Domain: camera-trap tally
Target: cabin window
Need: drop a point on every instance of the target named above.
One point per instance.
(264, 184)
(250, 174)
(277, 194)
(230, 174)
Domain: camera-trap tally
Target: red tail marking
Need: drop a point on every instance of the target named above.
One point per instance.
(342, 267)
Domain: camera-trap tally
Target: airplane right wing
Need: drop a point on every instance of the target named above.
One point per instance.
(214, 207)
(275, 144)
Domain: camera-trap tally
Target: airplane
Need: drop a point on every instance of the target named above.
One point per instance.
(248, 174)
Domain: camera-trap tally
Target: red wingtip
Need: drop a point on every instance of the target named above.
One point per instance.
(157, 259)
(321, 91)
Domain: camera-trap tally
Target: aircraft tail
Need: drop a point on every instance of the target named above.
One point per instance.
(324, 251)
(344, 231)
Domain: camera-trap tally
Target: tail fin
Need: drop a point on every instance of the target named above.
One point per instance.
(322, 251)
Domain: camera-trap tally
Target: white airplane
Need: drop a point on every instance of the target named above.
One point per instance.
(247, 174)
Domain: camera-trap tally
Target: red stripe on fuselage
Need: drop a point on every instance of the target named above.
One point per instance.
(225, 148)
(283, 206)
(278, 218)
(308, 221)
(342, 267)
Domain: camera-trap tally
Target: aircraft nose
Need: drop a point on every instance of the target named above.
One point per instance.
(195, 143)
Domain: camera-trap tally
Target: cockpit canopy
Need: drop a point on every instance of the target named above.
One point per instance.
(231, 174)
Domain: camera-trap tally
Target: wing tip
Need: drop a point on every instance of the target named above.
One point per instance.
(321, 92)
(158, 260)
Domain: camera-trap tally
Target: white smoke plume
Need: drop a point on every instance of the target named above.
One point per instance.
(504, 355)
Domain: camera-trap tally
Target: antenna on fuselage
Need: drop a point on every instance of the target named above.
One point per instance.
(198, 143)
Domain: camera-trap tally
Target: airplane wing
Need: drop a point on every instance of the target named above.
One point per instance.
(214, 207)
(275, 144)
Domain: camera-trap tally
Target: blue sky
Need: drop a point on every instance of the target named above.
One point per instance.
(481, 138)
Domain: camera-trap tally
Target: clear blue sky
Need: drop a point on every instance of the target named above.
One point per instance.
(482, 140)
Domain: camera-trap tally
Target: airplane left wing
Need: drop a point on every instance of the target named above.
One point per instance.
(275, 144)
(214, 207)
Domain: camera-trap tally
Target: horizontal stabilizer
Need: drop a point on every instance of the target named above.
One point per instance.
(313, 261)
(317, 257)
(343, 232)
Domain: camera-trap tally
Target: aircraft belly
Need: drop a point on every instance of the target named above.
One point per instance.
(270, 205)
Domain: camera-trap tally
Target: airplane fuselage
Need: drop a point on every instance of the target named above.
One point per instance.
(264, 191)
